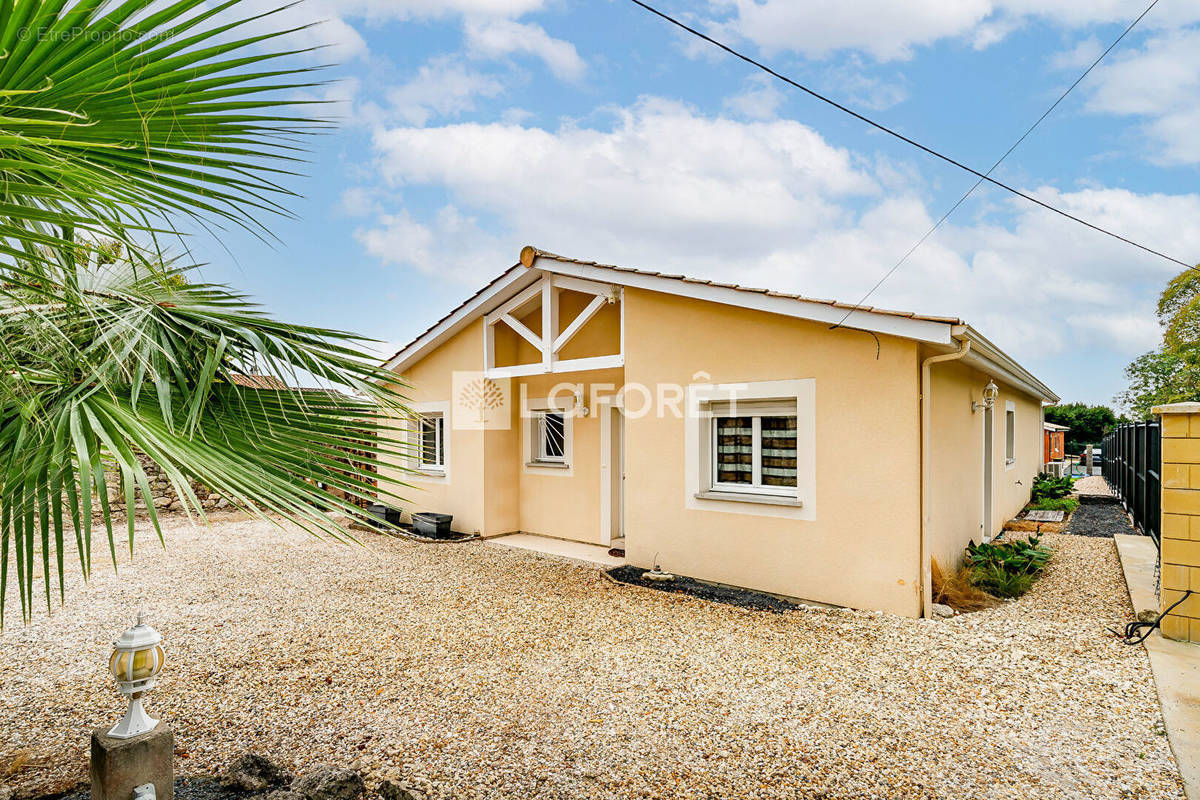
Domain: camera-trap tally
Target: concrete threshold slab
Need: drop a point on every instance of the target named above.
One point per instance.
(1176, 665)
(558, 548)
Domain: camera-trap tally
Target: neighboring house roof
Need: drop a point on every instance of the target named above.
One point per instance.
(1050, 426)
(256, 381)
(934, 330)
(272, 383)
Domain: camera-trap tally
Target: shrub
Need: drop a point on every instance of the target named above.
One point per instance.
(1049, 487)
(1067, 504)
(994, 580)
(1006, 569)
(957, 591)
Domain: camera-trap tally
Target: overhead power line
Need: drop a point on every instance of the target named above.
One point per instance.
(982, 176)
(999, 161)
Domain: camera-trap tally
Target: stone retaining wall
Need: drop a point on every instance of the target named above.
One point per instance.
(162, 493)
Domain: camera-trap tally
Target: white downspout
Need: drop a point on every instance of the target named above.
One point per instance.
(964, 347)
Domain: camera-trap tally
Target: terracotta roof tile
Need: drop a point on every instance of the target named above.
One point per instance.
(686, 279)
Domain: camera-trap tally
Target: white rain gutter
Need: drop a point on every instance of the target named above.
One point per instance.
(925, 572)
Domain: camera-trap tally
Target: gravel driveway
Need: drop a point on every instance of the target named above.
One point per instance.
(480, 672)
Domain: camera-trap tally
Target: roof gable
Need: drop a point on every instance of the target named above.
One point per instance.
(934, 330)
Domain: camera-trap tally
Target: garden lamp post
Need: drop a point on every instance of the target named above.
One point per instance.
(136, 660)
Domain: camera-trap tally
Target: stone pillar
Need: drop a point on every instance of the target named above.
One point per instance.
(119, 766)
(1180, 558)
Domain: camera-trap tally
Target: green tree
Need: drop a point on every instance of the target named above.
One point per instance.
(1170, 373)
(116, 120)
(1088, 424)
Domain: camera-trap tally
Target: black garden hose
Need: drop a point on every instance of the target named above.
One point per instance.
(1132, 629)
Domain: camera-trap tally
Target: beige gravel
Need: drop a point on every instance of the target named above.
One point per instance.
(479, 672)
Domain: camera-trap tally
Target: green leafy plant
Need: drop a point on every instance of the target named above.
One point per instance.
(1047, 486)
(118, 119)
(1067, 504)
(1006, 568)
(996, 581)
(112, 360)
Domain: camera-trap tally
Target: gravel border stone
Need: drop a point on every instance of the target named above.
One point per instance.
(729, 595)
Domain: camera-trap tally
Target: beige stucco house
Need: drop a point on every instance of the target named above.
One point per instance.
(741, 436)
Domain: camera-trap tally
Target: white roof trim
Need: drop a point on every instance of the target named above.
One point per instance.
(984, 355)
(516, 279)
(891, 324)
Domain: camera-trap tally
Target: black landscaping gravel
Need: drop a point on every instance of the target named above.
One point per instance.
(729, 595)
(1099, 519)
(199, 788)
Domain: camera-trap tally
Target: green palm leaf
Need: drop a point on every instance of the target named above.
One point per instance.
(109, 360)
(111, 114)
(118, 118)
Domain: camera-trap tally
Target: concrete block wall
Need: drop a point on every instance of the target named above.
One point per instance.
(1180, 557)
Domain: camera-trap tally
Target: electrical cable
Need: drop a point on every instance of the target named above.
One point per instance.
(999, 161)
(879, 126)
(1133, 628)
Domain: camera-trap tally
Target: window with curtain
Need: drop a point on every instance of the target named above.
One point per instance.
(754, 447)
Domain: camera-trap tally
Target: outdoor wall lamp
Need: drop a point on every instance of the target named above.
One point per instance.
(990, 393)
(136, 660)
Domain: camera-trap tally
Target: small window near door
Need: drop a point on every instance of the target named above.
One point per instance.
(754, 452)
(432, 444)
(1010, 436)
(550, 437)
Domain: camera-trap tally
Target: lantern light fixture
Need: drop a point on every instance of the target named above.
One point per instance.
(990, 393)
(136, 661)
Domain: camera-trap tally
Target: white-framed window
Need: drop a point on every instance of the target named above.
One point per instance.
(549, 429)
(431, 442)
(753, 447)
(1010, 433)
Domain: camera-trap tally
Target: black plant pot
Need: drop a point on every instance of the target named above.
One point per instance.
(428, 523)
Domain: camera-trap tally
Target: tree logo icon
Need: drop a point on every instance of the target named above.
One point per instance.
(480, 402)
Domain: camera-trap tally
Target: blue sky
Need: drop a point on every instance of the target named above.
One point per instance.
(472, 127)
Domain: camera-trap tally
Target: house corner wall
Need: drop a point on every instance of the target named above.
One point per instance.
(956, 459)
(861, 546)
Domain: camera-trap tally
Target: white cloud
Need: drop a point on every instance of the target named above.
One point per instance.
(452, 247)
(773, 204)
(759, 100)
(442, 87)
(496, 38)
(889, 30)
(1160, 81)
(384, 10)
(885, 29)
(1079, 56)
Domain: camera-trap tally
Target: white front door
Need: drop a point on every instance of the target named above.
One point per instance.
(985, 526)
(612, 472)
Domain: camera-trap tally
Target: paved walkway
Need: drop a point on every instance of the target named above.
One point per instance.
(1176, 665)
(559, 548)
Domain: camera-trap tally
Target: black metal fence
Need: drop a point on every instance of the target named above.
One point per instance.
(1131, 462)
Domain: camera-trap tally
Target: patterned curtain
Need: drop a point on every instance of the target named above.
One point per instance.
(735, 450)
(779, 451)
